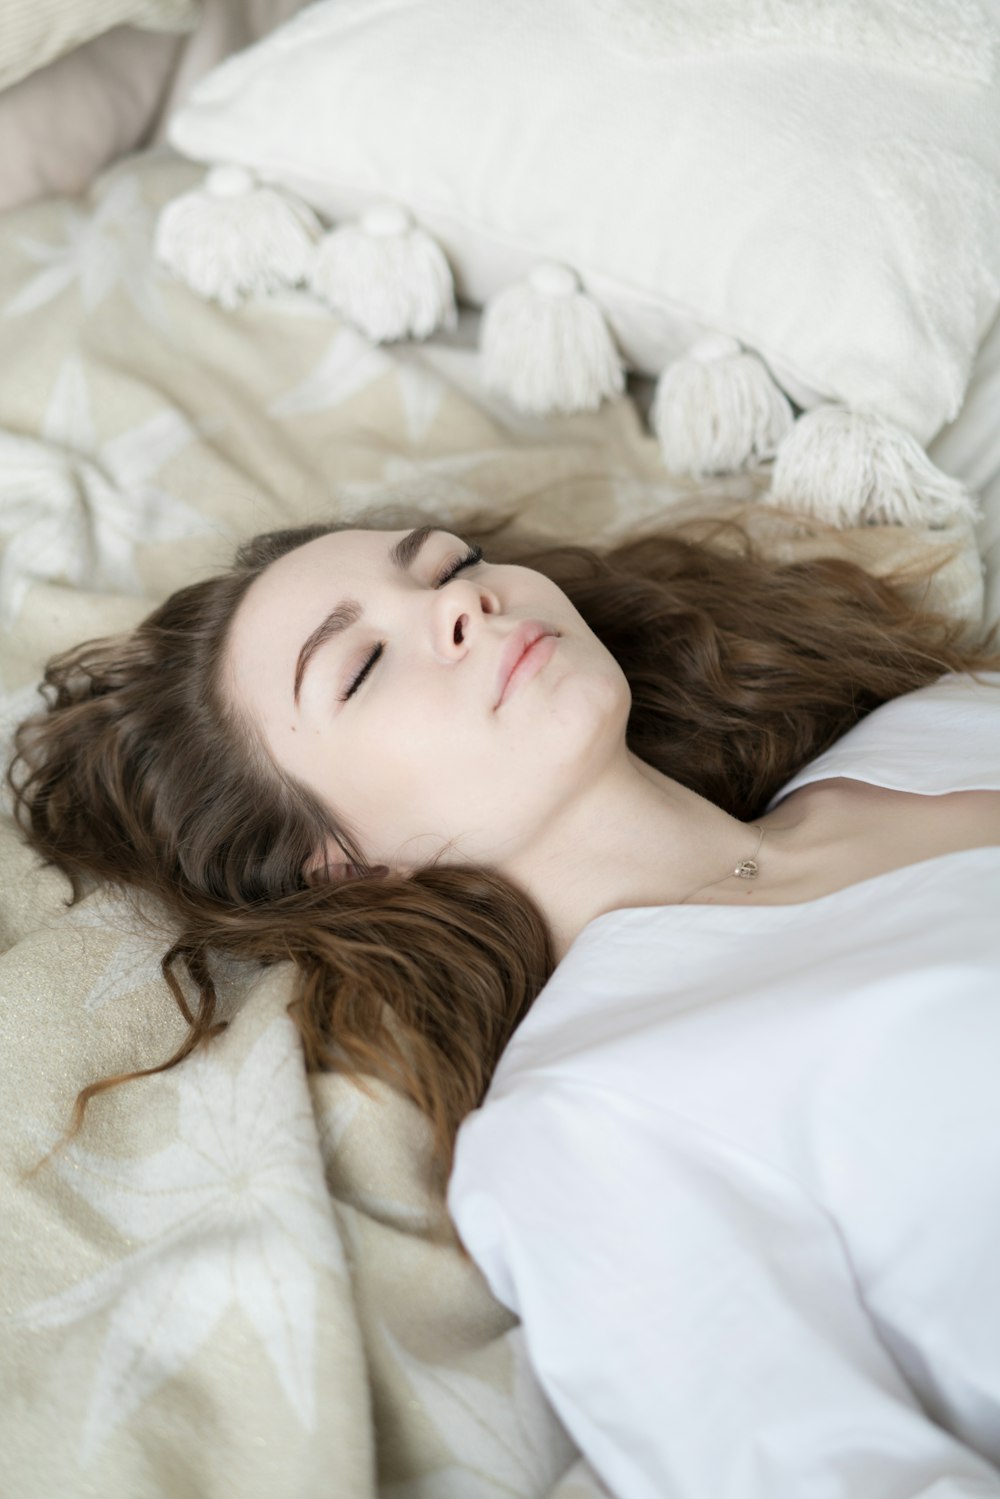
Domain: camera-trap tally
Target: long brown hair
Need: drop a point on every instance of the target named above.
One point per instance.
(138, 773)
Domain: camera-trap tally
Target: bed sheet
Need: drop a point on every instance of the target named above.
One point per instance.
(237, 1280)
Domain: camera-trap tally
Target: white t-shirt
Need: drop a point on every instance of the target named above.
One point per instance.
(738, 1170)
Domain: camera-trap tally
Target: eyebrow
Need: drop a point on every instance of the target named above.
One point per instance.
(349, 611)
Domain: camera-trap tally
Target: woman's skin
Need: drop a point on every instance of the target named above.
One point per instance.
(419, 763)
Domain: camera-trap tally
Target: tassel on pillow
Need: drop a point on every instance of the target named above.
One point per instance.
(545, 346)
(717, 409)
(855, 467)
(231, 238)
(384, 275)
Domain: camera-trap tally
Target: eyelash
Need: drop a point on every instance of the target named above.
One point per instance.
(472, 556)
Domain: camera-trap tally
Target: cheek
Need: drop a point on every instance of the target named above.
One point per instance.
(419, 754)
(396, 768)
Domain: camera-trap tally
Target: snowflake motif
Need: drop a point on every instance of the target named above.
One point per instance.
(74, 510)
(142, 933)
(422, 393)
(15, 706)
(503, 1445)
(235, 1210)
(101, 248)
(408, 485)
(349, 365)
(334, 1120)
(141, 937)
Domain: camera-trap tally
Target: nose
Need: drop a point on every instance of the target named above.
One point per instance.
(458, 616)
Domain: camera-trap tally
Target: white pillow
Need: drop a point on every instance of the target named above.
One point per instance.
(819, 179)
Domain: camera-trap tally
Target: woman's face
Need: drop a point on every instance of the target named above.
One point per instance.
(419, 758)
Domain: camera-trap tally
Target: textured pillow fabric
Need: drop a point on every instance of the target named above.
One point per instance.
(61, 125)
(223, 28)
(819, 179)
(34, 32)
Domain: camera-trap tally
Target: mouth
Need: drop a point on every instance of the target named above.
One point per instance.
(517, 648)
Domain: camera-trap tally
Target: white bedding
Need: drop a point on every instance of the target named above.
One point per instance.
(236, 1281)
(969, 449)
(794, 1176)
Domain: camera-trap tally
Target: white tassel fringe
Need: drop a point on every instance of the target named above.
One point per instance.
(545, 346)
(384, 275)
(231, 238)
(854, 467)
(717, 409)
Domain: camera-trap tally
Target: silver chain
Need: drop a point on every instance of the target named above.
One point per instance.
(746, 869)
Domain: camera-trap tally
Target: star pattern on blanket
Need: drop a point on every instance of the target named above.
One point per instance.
(434, 485)
(335, 1118)
(503, 1444)
(349, 364)
(234, 1211)
(75, 509)
(132, 933)
(102, 247)
(15, 705)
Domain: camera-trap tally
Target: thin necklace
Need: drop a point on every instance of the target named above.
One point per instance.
(746, 869)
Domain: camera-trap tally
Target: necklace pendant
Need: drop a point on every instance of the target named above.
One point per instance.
(746, 869)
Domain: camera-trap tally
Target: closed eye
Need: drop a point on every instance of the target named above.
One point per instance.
(472, 556)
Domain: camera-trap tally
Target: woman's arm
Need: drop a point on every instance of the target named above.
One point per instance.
(691, 1315)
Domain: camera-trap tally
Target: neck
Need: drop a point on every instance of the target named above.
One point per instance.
(639, 838)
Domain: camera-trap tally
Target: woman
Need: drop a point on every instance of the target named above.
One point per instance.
(682, 920)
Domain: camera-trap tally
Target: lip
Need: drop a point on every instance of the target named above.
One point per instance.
(523, 638)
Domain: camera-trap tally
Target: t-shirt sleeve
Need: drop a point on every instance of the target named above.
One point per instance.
(690, 1313)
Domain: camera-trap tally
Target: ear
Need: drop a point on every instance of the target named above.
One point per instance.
(329, 866)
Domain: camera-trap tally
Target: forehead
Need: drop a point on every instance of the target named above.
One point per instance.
(286, 601)
(333, 558)
(286, 591)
